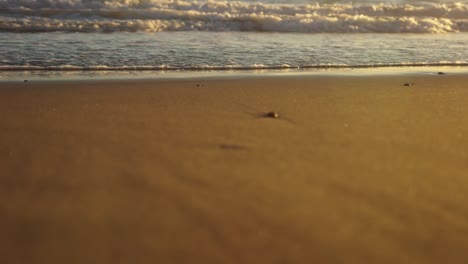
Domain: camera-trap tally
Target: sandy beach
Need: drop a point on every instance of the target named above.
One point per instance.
(356, 169)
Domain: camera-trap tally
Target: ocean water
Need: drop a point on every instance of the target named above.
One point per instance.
(163, 35)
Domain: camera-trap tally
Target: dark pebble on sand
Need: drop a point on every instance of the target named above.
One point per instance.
(440, 73)
(408, 84)
(272, 115)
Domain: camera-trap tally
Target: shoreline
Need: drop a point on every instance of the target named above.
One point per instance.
(78, 75)
(355, 169)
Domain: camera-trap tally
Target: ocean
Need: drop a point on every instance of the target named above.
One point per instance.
(89, 37)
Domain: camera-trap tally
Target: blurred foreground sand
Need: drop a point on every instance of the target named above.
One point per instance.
(356, 170)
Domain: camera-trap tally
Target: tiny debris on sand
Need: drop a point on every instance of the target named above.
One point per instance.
(271, 115)
(408, 84)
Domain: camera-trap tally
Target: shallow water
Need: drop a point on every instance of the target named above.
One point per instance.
(226, 50)
(155, 35)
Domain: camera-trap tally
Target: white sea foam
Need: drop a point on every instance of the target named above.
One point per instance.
(6, 68)
(157, 15)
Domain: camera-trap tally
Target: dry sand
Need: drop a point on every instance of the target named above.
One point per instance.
(357, 169)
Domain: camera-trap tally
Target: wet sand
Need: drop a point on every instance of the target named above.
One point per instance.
(355, 169)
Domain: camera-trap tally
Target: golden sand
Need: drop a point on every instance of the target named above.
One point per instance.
(355, 169)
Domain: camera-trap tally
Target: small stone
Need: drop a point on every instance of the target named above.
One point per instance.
(272, 115)
(440, 73)
(25, 80)
(408, 84)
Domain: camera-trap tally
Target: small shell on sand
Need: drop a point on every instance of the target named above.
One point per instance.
(272, 115)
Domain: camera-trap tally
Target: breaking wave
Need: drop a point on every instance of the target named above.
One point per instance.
(162, 15)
